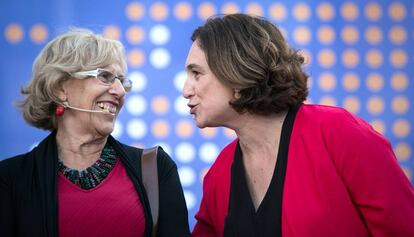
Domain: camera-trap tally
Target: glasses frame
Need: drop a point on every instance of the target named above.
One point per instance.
(126, 83)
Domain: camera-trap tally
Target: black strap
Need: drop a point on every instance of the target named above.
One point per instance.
(150, 181)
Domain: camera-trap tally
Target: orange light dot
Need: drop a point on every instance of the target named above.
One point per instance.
(135, 34)
(230, 8)
(397, 35)
(208, 132)
(401, 128)
(254, 9)
(160, 129)
(39, 33)
(184, 128)
(373, 35)
(350, 58)
(159, 11)
(205, 10)
(400, 104)
(327, 81)
(378, 126)
(397, 11)
(375, 105)
(135, 11)
(350, 34)
(136, 57)
(326, 58)
(325, 11)
(374, 82)
(328, 100)
(349, 11)
(326, 34)
(403, 151)
(399, 81)
(352, 104)
(183, 11)
(278, 12)
(373, 11)
(302, 35)
(398, 58)
(14, 33)
(374, 58)
(160, 105)
(301, 12)
(112, 32)
(350, 82)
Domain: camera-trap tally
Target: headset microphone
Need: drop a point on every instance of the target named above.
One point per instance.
(66, 105)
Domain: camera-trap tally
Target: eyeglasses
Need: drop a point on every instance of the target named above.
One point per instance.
(105, 77)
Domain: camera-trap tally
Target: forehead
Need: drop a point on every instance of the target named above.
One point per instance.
(196, 56)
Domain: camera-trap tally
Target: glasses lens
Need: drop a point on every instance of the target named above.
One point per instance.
(106, 77)
(127, 84)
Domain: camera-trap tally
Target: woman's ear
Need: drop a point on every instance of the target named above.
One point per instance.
(60, 92)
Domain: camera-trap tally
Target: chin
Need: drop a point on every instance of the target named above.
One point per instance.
(106, 130)
(200, 124)
(204, 124)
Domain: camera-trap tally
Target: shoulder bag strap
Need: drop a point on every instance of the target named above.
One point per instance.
(150, 181)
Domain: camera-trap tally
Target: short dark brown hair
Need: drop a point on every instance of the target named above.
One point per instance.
(250, 54)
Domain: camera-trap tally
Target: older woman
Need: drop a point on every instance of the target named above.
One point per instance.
(295, 169)
(80, 181)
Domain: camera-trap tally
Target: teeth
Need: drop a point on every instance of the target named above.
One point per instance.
(108, 107)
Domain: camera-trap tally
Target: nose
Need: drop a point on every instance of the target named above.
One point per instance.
(188, 89)
(117, 89)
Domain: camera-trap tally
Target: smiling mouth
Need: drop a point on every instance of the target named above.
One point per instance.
(108, 107)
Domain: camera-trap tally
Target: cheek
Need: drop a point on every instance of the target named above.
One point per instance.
(121, 103)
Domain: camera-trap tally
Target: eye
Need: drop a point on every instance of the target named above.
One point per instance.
(105, 76)
(121, 78)
(195, 73)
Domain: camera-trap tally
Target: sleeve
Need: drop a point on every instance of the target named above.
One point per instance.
(204, 226)
(173, 214)
(378, 187)
(6, 207)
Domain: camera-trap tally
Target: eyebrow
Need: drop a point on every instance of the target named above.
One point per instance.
(192, 66)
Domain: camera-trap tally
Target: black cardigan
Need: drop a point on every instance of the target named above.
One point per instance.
(28, 191)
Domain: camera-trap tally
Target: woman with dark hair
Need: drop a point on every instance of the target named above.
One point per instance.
(80, 181)
(295, 169)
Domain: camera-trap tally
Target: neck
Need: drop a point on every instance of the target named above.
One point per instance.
(259, 135)
(79, 151)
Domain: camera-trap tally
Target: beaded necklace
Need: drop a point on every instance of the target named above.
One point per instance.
(93, 175)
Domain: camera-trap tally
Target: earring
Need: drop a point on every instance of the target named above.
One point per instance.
(237, 94)
(60, 110)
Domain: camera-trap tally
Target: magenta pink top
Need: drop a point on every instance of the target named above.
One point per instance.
(342, 179)
(113, 208)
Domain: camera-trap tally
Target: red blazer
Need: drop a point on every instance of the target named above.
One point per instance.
(342, 179)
